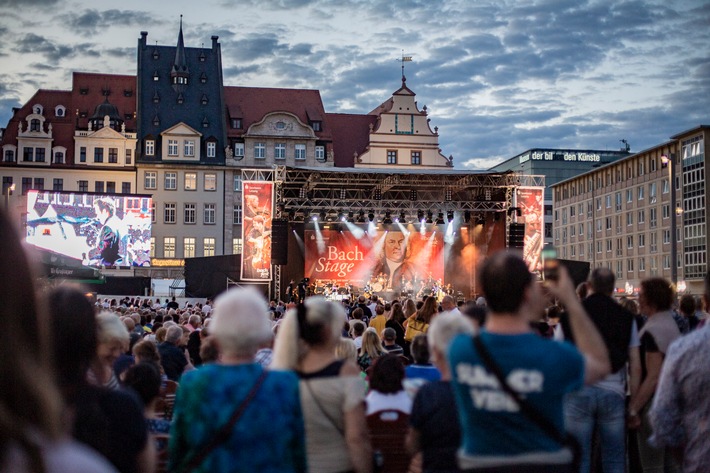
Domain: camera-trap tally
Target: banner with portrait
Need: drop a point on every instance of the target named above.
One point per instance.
(530, 200)
(387, 259)
(257, 204)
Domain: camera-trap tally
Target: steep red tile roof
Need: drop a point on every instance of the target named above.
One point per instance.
(95, 84)
(253, 103)
(351, 135)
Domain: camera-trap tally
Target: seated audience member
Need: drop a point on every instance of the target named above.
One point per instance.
(33, 439)
(108, 420)
(434, 420)
(421, 371)
(113, 339)
(144, 379)
(268, 433)
(346, 350)
(331, 390)
(209, 351)
(147, 352)
(174, 359)
(371, 349)
(386, 391)
(389, 339)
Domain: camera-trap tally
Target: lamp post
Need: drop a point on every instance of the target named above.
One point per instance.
(669, 160)
(10, 189)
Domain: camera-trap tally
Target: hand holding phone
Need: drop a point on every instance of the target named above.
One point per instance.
(550, 264)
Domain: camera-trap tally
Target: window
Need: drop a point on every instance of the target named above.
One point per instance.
(190, 213)
(630, 242)
(189, 148)
(190, 181)
(59, 111)
(28, 154)
(9, 156)
(640, 191)
(642, 240)
(110, 187)
(39, 184)
(320, 153)
(99, 186)
(150, 179)
(211, 149)
(238, 150)
(665, 186)
(316, 125)
(169, 212)
(172, 148)
(300, 151)
(629, 218)
(629, 195)
(58, 184)
(209, 214)
(666, 236)
(149, 147)
(113, 155)
(153, 213)
(83, 186)
(189, 247)
(608, 201)
(82, 154)
(237, 215)
(39, 155)
(618, 201)
(208, 245)
(237, 182)
(236, 246)
(599, 203)
(152, 247)
(652, 188)
(34, 125)
(98, 155)
(416, 157)
(236, 123)
(26, 185)
(210, 182)
(391, 156)
(642, 216)
(259, 150)
(169, 247)
(280, 151)
(125, 188)
(170, 181)
(630, 265)
(666, 209)
(653, 217)
(59, 157)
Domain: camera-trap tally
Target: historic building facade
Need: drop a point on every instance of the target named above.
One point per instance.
(620, 215)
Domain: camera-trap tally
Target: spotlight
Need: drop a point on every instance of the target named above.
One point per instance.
(403, 217)
(343, 218)
(371, 217)
(322, 216)
(420, 215)
(447, 195)
(315, 218)
(351, 218)
(413, 195)
(361, 216)
(450, 215)
(377, 195)
(440, 219)
(466, 216)
(480, 220)
(388, 218)
(429, 217)
(302, 193)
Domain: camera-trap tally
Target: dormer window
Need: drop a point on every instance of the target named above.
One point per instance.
(83, 91)
(156, 54)
(128, 93)
(236, 123)
(156, 97)
(180, 80)
(60, 111)
(34, 125)
(156, 121)
(202, 56)
(37, 110)
(317, 126)
(203, 78)
(180, 99)
(204, 100)
(156, 77)
(280, 125)
(205, 123)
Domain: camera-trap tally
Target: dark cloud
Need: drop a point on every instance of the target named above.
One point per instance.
(54, 52)
(26, 3)
(91, 22)
(39, 66)
(125, 53)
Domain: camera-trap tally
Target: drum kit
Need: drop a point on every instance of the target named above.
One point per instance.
(332, 290)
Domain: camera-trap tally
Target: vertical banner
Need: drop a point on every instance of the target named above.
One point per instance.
(257, 204)
(531, 203)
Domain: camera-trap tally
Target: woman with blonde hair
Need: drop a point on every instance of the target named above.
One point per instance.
(113, 338)
(332, 393)
(371, 349)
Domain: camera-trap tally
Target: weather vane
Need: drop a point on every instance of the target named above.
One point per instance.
(405, 58)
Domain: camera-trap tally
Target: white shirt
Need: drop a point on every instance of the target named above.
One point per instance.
(377, 401)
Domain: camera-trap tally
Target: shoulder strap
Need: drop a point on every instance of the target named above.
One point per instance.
(526, 408)
(320, 407)
(226, 430)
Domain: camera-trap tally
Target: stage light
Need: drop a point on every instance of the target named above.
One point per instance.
(302, 193)
(466, 216)
(322, 216)
(420, 215)
(429, 217)
(343, 218)
(377, 194)
(403, 217)
(440, 219)
(371, 217)
(480, 220)
(388, 218)
(450, 215)
(351, 218)
(315, 218)
(413, 195)
(447, 195)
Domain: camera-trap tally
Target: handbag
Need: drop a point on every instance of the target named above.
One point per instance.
(564, 439)
(225, 431)
(415, 327)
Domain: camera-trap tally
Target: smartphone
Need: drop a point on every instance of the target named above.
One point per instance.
(550, 263)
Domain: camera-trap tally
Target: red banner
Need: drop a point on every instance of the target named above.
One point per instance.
(257, 204)
(386, 259)
(531, 203)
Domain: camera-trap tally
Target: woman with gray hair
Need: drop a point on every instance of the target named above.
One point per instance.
(113, 338)
(332, 392)
(434, 424)
(233, 415)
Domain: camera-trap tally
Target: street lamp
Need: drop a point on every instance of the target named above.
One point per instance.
(10, 189)
(669, 160)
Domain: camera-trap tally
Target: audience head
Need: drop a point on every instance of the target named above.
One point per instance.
(687, 305)
(420, 350)
(389, 335)
(601, 281)
(144, 379)
(371, 343)
(240, 323)
(387, 374)
(443, 330)
(146, 351)
(346, 349)
(113, 338)
(656, 295)
(505, 279)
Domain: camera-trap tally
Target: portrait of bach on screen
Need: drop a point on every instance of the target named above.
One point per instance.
(98, 230)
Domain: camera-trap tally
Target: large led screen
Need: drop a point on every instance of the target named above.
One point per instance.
(257, 199)
(97, 230)
(530, 201)
(393, 258)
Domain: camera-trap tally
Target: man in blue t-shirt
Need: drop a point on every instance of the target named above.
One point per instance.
(495, 433)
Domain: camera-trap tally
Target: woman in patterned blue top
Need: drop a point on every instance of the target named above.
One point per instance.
(269, 435)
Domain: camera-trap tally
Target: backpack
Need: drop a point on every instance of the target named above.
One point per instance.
(415, 327)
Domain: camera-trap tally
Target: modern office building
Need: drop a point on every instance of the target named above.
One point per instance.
(620, 215)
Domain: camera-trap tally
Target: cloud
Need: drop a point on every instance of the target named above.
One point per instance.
(26, 3)
(91, 22)
(53, 52)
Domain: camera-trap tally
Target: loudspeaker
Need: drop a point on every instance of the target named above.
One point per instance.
(516, 235)
(279, 241)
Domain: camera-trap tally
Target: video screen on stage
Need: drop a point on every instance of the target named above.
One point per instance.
(394, 258)
(97, 230)
(530, 201)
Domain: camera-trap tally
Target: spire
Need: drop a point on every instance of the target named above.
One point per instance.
(180, 60)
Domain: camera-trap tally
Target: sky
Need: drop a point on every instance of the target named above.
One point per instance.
(498, 77)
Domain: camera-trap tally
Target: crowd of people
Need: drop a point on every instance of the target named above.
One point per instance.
(532, 377)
